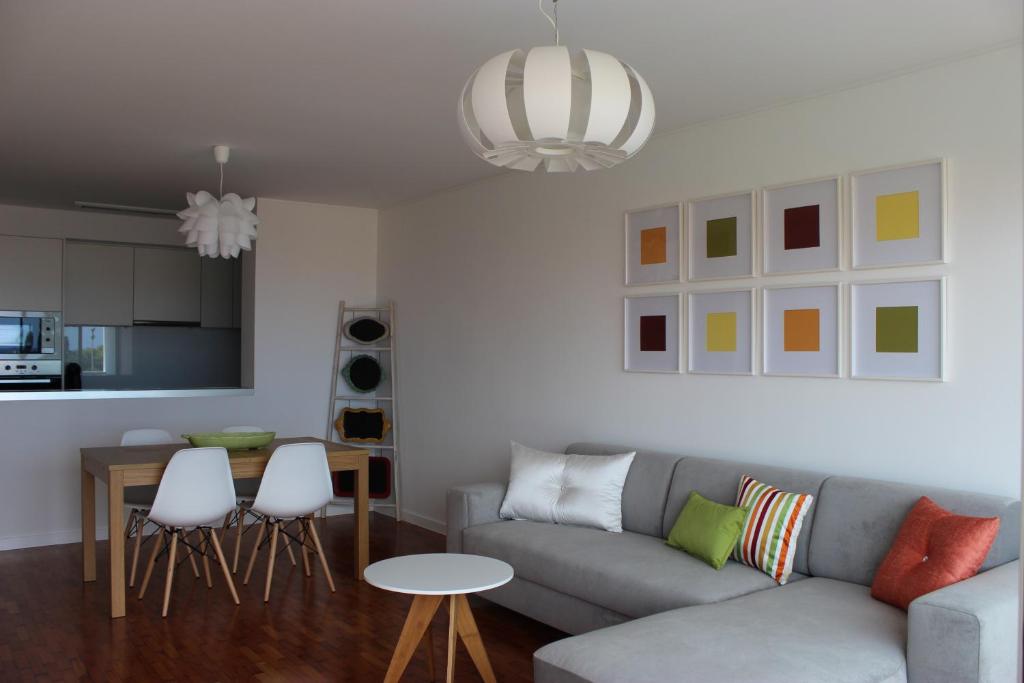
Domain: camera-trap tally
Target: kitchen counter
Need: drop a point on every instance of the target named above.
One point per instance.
(115, 394)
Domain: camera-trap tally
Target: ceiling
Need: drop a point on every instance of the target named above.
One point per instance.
(353, 101)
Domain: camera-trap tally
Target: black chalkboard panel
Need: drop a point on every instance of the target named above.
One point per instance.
(380, 480)
(366, 330)
(362, 373)
(362, 424)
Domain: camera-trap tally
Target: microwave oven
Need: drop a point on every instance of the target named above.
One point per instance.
(30, 350)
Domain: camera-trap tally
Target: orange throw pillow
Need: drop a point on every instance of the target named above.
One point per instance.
(933, 549)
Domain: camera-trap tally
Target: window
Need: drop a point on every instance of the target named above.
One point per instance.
(93, 348)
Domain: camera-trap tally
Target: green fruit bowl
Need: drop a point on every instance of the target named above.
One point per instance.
(233, 441)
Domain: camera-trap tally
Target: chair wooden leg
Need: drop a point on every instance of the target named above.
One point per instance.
(204, 551)
(270, 561)
(239, 528)
(320, 553)
(170, 573)
(227, 523)
(224, 566)
(140, 525)
(303, 541)
(288, 547)
(255, 551)
(158, 543)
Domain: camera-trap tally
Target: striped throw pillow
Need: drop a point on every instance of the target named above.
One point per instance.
(771, 529)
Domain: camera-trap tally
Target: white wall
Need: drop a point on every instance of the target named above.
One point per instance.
(511, 299)
(308, 257)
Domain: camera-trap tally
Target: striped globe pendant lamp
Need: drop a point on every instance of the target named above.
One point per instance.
(552, 107)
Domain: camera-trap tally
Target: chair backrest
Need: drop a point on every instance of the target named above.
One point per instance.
(231, 430)
(297, 481)
(196, 489)
(146, 437)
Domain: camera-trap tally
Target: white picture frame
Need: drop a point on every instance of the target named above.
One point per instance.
(639, 222)
(899, 240)
(711, 348)
(802, 226)
(663, 358)
(711, 255)
(790, 346)
(917, 357)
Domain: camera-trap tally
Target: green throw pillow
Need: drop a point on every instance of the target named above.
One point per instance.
(707, 530)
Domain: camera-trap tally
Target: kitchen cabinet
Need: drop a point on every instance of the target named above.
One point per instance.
(219, 288)
(30, 274)
(167, 285)
(97, 284)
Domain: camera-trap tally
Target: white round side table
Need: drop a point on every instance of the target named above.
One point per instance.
(430, 578)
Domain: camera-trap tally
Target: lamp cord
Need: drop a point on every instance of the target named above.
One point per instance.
(221, 180)
(552, 20)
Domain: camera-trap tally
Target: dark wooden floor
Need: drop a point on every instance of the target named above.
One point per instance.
(53, 627)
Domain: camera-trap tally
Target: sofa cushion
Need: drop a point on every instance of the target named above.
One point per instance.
(719, 480)
(810, 630)
(629, 573)
(643, 495)
(857, 520)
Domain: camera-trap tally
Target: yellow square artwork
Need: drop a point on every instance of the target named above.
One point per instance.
(897, 216)
(653, 246)
(721, 332)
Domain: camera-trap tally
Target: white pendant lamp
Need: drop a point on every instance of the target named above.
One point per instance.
(219, 227)
(568, 110)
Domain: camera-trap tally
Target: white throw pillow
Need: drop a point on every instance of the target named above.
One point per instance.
(585, 490)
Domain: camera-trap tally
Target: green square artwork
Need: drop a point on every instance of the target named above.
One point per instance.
(896, 329)
(722, 237)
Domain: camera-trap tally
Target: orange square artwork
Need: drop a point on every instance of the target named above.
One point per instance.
(801, 329)
(653, 246)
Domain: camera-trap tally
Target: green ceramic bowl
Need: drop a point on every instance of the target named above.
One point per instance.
(233, 441)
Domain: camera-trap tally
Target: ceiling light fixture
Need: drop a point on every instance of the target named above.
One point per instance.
(568, 110)
(219, 227)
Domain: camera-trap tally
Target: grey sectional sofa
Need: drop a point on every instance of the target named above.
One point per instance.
(646, 613)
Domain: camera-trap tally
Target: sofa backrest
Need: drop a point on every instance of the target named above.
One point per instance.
(857, 520)
(643, 496)
(719, 480)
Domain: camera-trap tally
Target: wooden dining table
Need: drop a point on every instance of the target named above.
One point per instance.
(121, 466)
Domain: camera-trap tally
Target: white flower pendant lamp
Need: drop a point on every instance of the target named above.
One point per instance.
(219, 227)
(568, 110)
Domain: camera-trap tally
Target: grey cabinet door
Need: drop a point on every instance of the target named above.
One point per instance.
(30, 274)
(217, 292)
(167, 285)
(97, 284)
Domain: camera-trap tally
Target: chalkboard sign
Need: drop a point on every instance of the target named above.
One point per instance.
(379, 484)
(362, 373)
(362, 424)
(365, 330)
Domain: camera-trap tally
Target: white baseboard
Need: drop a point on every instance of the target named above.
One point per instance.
(424, 521)
(60, 537)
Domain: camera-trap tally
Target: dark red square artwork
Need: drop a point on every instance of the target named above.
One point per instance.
(652, 332)
(801, 227)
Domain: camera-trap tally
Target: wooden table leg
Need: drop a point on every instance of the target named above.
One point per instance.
(453, 620)
(471, 638)
(88, 526)
(416, 623)
(362, 512)
(115, 515)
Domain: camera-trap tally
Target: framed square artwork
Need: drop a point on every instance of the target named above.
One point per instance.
(897, 330)
(720, 234)
(898, 215)
(654, 245)
(801, 226)
(801, 331)
(721, 338)
(652, 333)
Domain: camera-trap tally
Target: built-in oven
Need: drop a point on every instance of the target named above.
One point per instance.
(30, 350)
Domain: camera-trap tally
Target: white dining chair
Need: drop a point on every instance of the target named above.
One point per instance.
(245, 494)
(140, 498)
(195, 493)
(296, 483)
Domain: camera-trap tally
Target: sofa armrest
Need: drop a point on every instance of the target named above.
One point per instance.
(966, 632)
(471, 505)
